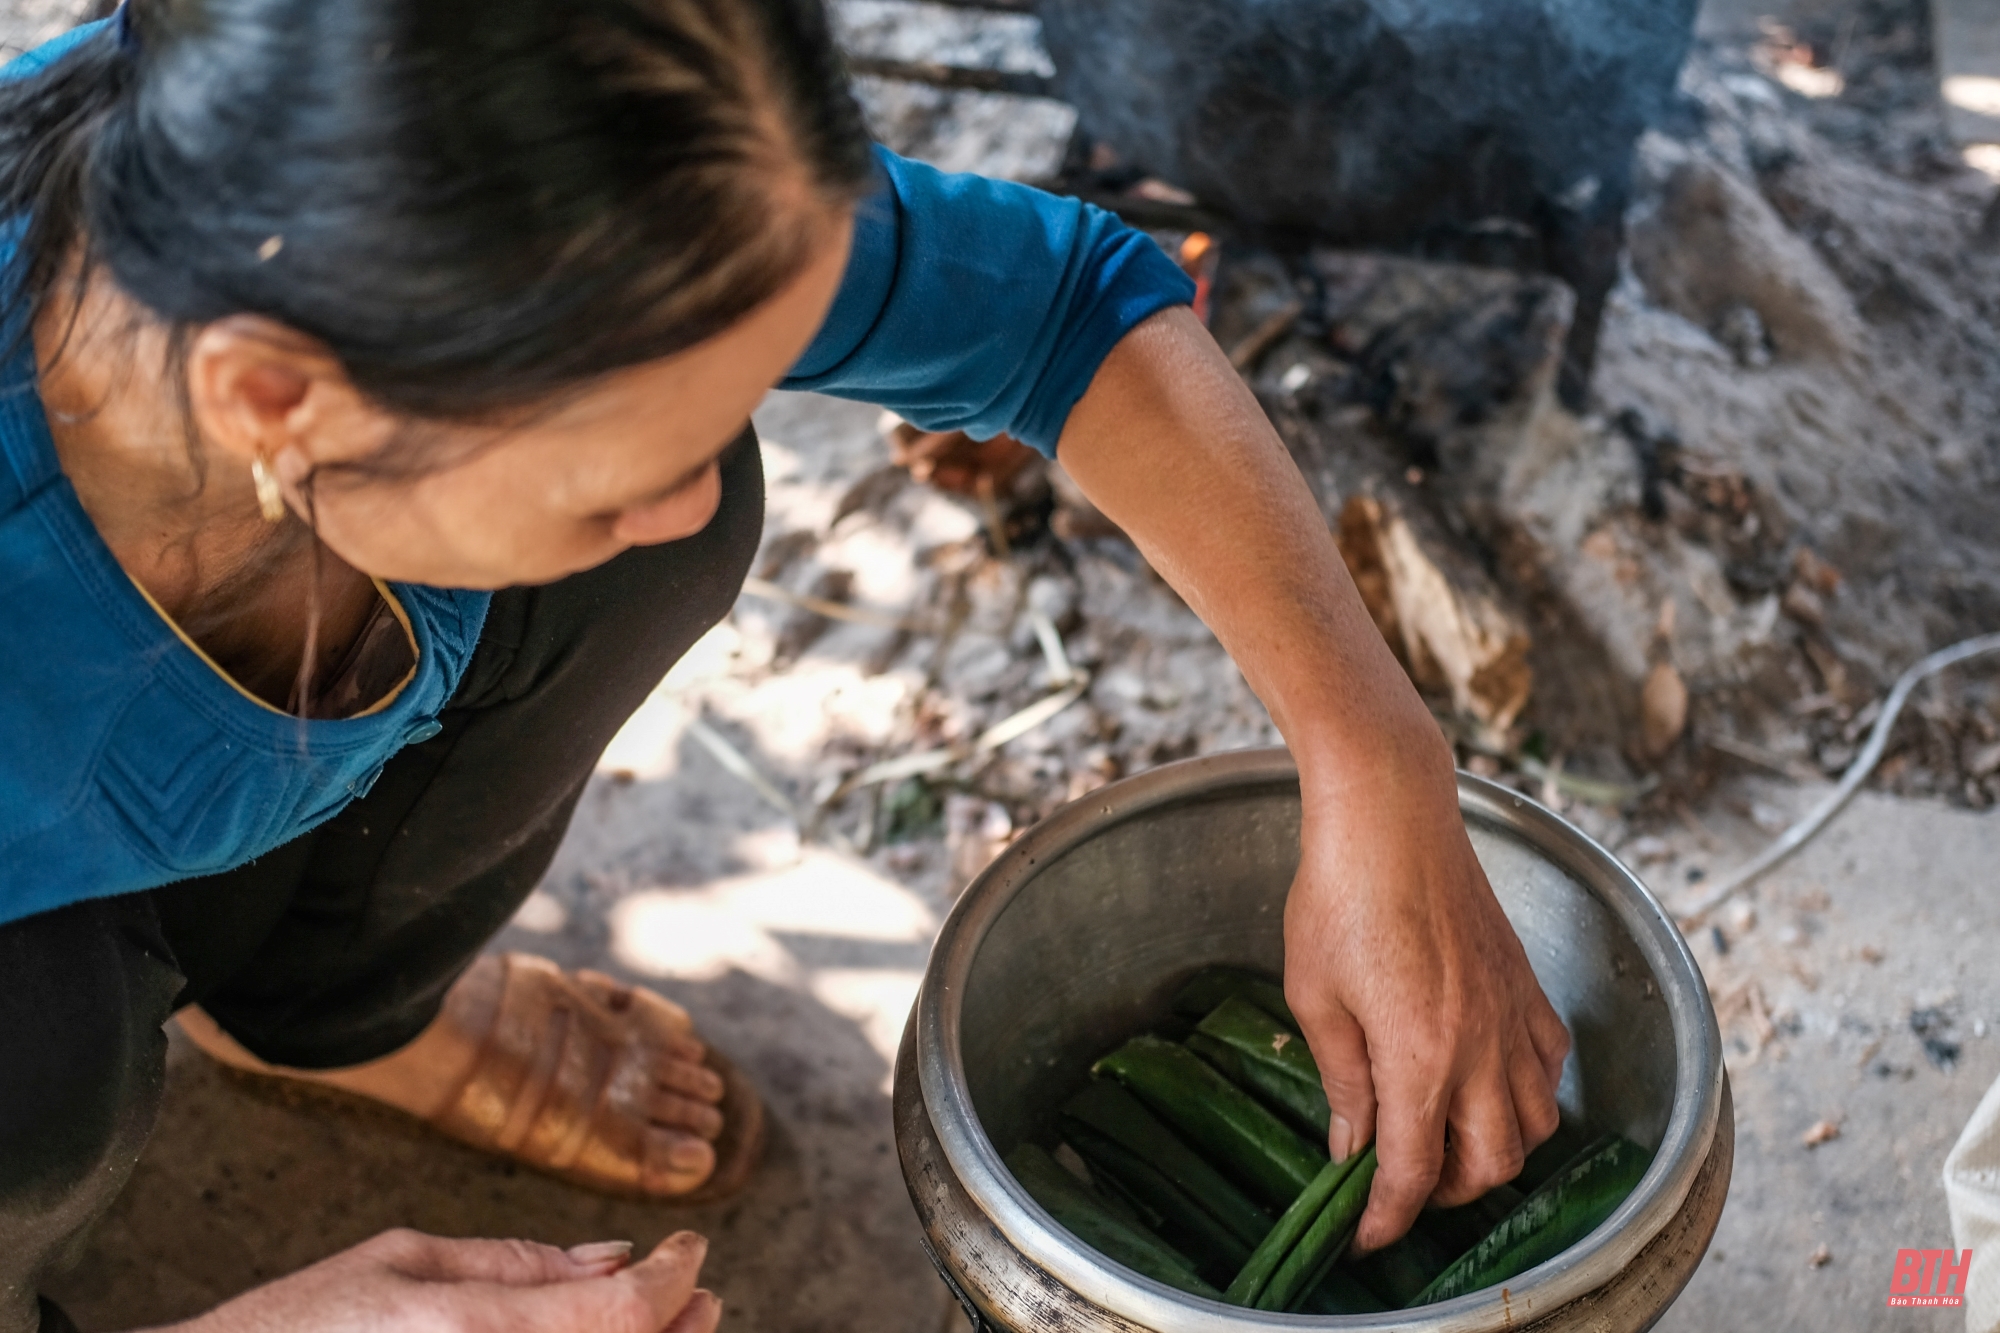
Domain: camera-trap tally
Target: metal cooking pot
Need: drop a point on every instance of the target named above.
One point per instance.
(1078, 933)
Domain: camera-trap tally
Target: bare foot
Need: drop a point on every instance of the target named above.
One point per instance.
(574, 1073)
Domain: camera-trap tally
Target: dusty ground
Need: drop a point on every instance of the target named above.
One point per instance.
(802, 961)
(1855, 985)
(1882, 928)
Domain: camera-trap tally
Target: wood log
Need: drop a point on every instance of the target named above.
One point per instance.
(1439, 611)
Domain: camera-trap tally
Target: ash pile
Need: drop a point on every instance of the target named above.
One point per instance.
(1648, 373)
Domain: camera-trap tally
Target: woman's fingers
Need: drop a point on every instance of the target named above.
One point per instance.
(1484, 1148)
(406, 1282)
(1534, 1096)
(702, 1315)
(1494, 1118)
(1417, 998)
(1341, 1052)
(1550, 1038)
(666, 1278)
(1409, 1154)
(511, 1263)
(651, 1296)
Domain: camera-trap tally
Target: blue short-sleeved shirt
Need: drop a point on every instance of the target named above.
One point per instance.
(128, 760)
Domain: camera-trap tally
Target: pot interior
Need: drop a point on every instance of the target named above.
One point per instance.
(1095, 941)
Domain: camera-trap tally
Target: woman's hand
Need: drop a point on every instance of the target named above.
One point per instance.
(407, 1282)
(1414, 993)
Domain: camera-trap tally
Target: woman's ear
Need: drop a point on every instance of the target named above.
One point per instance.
(259, 390)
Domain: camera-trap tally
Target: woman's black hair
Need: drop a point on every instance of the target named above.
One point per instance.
(472, 205)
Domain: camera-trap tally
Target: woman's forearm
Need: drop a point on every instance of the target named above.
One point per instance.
(1173, 447)
(1412, 990)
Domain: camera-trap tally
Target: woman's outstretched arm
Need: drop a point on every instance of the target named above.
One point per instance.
(1412, 988)
(986, 306)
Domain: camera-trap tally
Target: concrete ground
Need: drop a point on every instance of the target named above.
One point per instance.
(1892, 913)
(1879, 938)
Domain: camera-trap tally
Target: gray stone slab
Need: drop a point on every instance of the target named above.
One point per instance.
(1966, 36)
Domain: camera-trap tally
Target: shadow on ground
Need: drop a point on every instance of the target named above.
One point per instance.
(245, 1181)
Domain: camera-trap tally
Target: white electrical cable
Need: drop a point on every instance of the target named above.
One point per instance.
(1857, 773)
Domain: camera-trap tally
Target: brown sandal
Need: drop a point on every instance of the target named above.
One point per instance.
(536, 1093)
(554, 1052)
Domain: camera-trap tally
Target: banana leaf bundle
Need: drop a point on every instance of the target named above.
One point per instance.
(1200, 1163)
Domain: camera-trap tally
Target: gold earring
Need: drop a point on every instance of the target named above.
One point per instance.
(270, 499)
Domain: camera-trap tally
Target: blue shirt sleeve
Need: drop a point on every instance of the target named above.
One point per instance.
(54, 49)
(981, 305)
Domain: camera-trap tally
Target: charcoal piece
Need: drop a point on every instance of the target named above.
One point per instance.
(1931, 1026)
(1438, 348)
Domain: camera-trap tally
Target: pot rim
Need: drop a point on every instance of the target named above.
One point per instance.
(1577, 1271)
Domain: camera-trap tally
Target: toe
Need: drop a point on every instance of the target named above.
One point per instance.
(660, 1013)
(684, 1113)
(675, 1162)
(689, 1078)
(686, 1050)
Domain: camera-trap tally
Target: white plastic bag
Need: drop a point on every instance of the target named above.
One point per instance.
(1972, 1187)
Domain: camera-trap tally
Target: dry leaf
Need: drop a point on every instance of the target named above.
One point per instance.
(1760, 1017)
(1663, 707)
(1803, 605)
(1816, 573)
(1985, 761)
